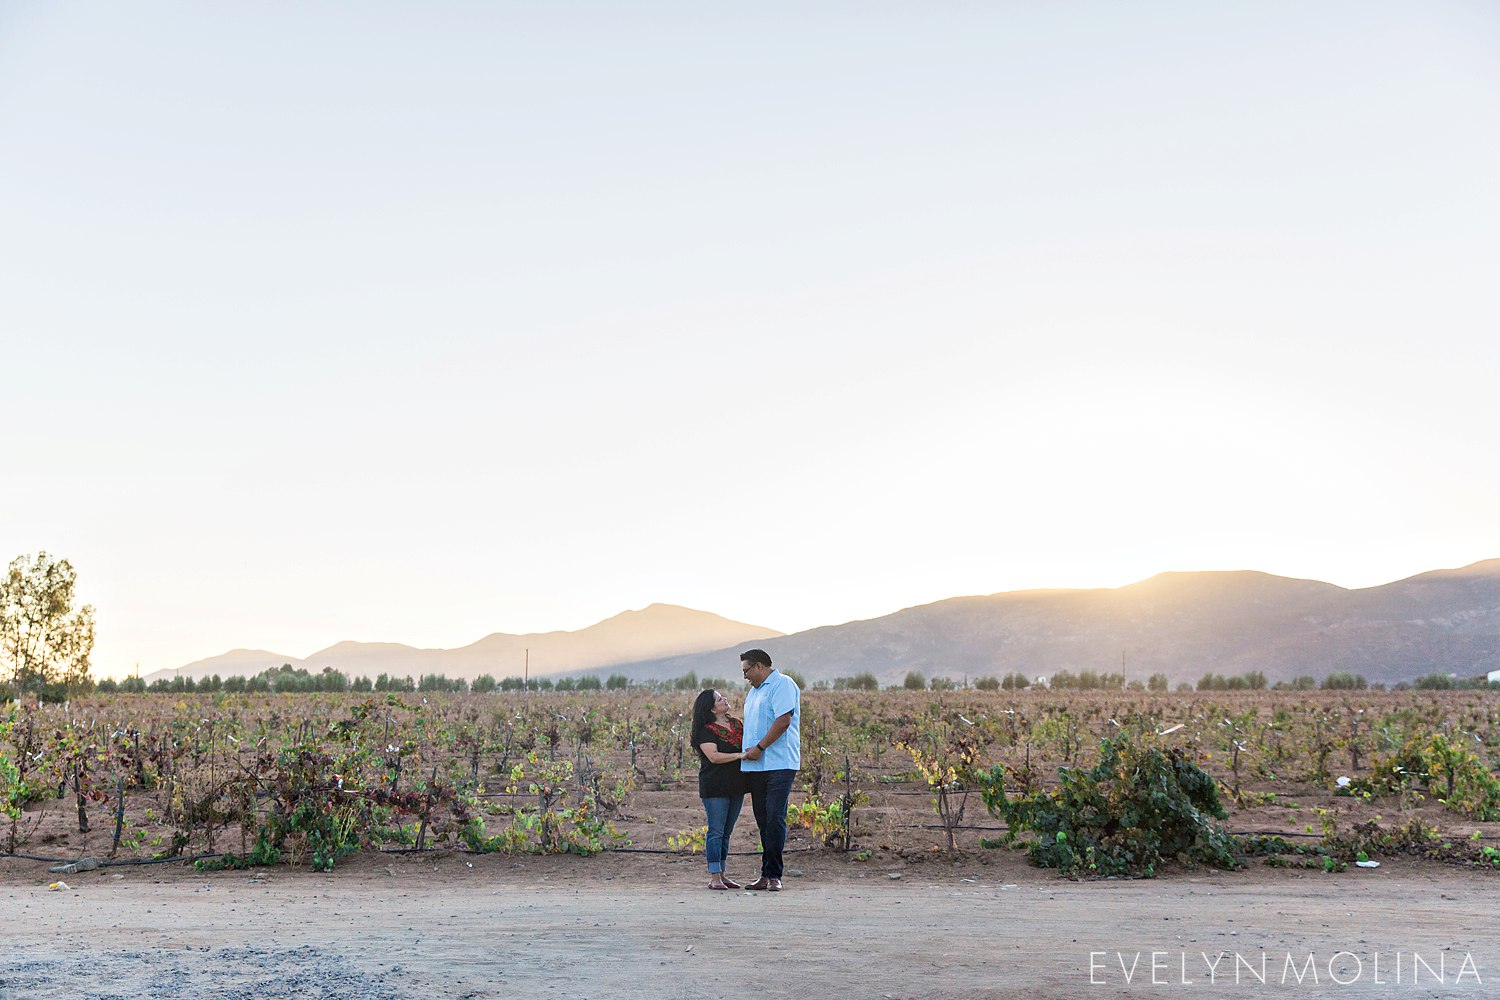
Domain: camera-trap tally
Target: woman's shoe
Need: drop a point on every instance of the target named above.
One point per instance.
(730, 883)
(719, 885)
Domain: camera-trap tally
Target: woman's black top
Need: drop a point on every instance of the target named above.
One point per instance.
(720, 781)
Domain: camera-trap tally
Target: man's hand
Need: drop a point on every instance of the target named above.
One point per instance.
(753, 753)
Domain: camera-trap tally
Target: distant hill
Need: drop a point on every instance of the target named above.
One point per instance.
(660, 630)
(1180, 624)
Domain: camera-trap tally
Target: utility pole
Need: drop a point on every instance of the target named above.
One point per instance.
(526, 672)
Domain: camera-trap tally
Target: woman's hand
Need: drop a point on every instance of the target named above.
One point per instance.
(716, 756)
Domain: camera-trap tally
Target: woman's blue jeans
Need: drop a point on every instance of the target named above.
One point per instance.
(721, 813)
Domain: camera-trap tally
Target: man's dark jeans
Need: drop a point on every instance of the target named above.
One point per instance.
(769, 791)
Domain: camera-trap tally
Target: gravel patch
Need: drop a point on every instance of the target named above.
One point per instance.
(243, 973)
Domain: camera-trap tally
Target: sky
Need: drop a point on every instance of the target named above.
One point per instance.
(417, 322)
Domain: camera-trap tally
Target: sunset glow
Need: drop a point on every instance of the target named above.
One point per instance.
(508, 318)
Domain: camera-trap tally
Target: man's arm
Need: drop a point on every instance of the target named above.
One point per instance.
(772, 735)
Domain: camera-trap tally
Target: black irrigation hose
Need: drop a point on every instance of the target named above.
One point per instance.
(630, 850)
(1235, 833)
(732, 854)
(111, 864)
(160, 861)
(605, 850)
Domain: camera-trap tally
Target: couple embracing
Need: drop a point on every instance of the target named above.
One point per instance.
(760, 755)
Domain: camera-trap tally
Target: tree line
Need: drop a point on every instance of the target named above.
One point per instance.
(287, 679)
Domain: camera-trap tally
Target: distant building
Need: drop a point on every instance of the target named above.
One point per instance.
(1493, 676)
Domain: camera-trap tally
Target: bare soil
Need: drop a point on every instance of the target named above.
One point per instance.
(984, 924)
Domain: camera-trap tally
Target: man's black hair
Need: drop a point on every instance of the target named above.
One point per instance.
(757, 656)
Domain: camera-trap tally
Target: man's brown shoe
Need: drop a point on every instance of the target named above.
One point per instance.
(760, 884)
(775, 884)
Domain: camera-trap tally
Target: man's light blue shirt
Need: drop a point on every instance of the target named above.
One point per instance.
(776, 696)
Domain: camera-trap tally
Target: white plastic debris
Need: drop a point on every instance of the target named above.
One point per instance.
(59, 887)
(1342, 781)
(1169, 732)
(1367, 864)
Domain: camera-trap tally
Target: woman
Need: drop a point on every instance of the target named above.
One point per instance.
(717, 737)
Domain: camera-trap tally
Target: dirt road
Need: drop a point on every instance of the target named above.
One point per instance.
(644, 926)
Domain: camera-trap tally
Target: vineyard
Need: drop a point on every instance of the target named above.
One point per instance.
(1306, 779)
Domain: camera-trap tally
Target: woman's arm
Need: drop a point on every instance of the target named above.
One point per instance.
(712, 752)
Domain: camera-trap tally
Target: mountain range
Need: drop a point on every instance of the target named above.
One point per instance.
(652, 632)
(1179, 624)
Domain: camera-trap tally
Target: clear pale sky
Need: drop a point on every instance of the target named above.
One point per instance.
(416, 322)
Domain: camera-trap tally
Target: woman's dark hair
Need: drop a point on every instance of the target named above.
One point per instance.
(703, 714)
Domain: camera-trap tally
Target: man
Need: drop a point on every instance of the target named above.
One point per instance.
(773, 753)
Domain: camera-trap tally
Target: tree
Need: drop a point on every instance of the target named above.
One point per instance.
(44, 640)
(915, 681)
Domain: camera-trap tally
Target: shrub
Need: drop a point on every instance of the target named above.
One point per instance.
(14, 792)
(1142, 804)
(1445, 768)
(988, 684)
